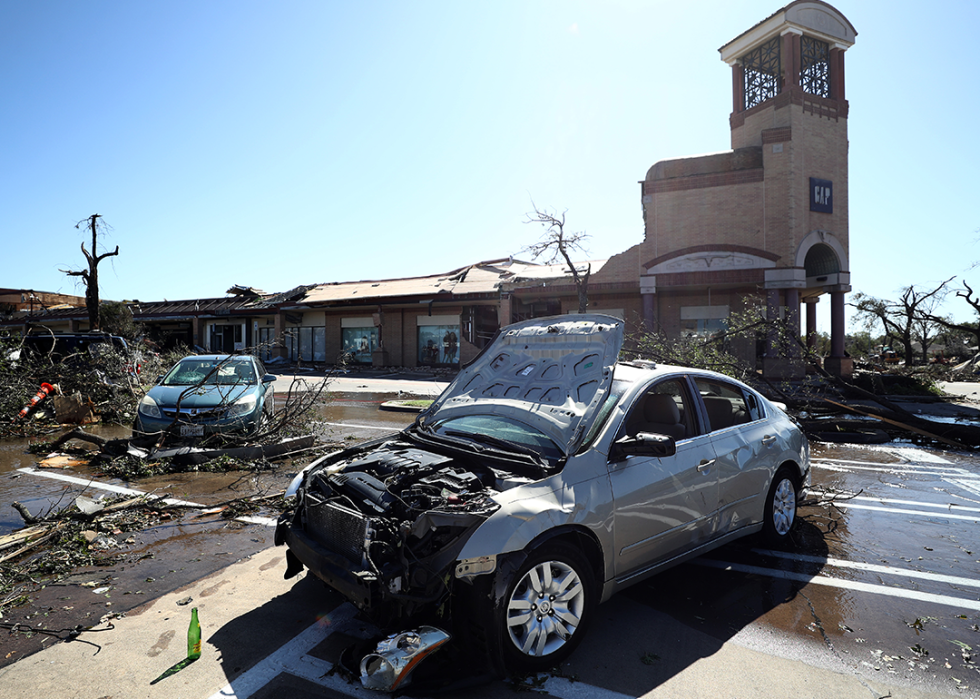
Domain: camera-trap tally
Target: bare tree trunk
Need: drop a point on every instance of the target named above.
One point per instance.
(91, 275)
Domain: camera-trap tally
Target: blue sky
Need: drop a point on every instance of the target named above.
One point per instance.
(275, 144)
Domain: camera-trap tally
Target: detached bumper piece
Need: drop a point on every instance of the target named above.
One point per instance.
(390, 665)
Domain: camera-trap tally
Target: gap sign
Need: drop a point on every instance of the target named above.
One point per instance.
(821, 196)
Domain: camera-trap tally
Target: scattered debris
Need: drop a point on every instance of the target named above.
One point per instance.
(390, 665)
(46, 389)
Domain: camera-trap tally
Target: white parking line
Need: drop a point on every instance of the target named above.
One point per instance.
(98, 485)
(249, 519)
(839, 465)
(916, 454)
(950, 506)
(847, 504)
(264, 521)
(292, 658)
(972, 486)
(891, 466)
(843, 584)
(871, 567)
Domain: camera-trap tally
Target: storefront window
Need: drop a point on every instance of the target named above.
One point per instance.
(267, 341)
(312, 344)
(439, 344)
(703, 327)
(359, 343)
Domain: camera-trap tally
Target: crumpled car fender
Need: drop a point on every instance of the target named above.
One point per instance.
(521, 520)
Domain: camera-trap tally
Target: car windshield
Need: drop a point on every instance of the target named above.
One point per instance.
(190, 372)
(500, 432)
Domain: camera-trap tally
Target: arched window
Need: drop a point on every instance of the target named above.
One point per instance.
(821, 260)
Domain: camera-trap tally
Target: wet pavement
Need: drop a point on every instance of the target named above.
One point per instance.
(883, 583)
(171, 553)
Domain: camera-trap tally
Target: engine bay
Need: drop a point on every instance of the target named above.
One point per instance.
(398, 514)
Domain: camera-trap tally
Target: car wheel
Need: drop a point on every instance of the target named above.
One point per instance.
(546, 608)
(780, 514)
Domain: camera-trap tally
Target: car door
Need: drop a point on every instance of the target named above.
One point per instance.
(743, 445)
(662, 504)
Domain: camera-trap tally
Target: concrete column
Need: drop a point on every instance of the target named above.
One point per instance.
(783, 362)
(790, 56)
(837, 324)
(504, 314)
(772, 315)
(793, 321)
(650, 312)
(279, 343)
(837, 363)
(738, 88)
(836, 65)
(811, 322)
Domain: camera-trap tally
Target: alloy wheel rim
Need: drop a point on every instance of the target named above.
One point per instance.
(784, 507)
(545, 608)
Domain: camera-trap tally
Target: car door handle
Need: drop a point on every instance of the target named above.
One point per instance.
(768, 439)
(705, 465)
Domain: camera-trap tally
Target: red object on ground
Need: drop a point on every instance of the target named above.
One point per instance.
(46, 388)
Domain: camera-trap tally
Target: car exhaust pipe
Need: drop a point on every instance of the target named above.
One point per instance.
(394, 658)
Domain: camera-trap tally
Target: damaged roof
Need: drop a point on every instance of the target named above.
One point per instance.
(481, 278)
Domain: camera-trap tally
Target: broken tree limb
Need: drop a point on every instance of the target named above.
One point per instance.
(23, 535)
(25, 513)
(77, 433)
(902, 425)
(193, 455)
(52, 531)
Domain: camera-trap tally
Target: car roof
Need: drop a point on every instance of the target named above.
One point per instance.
(637, 372)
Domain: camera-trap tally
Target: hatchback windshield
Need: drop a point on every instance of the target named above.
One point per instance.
(190, 372)
(481, 427)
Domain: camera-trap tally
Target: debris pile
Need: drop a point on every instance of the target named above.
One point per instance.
(86, 533)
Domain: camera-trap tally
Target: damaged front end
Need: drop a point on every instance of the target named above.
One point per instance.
(384, 524)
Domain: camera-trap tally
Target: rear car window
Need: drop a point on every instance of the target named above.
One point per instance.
(726, 404)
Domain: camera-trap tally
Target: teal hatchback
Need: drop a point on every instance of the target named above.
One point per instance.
(205, 395)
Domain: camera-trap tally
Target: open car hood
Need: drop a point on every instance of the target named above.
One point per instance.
(551, 373)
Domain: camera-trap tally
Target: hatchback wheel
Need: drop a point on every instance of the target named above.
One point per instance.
(780, 514)
(546, 608)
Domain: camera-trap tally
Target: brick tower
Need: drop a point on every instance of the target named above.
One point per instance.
(769, 216)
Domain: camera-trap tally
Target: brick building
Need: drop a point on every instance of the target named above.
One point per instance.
(769, 217)
(766, 220)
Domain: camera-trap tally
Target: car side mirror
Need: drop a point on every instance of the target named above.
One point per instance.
(268, 378)
(646, 444)
(159, 379)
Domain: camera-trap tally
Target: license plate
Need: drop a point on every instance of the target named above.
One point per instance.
(191, 430)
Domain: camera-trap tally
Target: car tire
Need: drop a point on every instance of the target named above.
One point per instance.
(779, 517)
(546, 608)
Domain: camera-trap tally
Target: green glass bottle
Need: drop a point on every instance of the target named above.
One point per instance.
(194, 637)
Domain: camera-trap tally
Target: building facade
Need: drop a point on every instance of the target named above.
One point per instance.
(770, 216)
(766, 221)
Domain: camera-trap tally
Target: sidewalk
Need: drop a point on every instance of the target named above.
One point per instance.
(261, 640)
(243, 618)
(365, 381)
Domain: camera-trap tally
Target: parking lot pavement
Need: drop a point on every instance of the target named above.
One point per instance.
(897, 554)
(265, 636)
(962, 389)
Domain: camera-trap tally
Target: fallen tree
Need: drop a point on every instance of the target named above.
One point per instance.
(814, 401)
